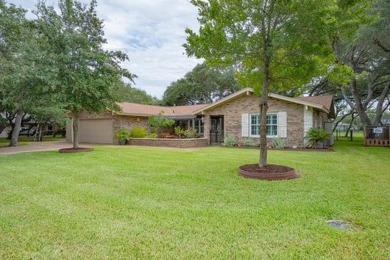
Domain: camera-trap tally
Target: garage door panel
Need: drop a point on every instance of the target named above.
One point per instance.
(96, 131)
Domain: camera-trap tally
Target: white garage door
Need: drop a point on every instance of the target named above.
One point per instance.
(98, 131)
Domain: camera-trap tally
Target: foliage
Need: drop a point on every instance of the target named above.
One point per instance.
(157, 122)
(152, 135)
(274, 44)
(84, 204)
(127, 93)
(315, 136)
(190, 133)
(229, 141)
(87, 75)
(202, 85)
(138, 132)
(248, 142)
(278, 143)
(180, 133)
(122, 134)
(365, 53)
(26, 69)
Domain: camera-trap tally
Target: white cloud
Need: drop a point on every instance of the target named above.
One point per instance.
(151, 33)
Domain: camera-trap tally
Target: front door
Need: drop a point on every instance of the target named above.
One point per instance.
(216, 130)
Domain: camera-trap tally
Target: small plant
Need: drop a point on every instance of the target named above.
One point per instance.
(249, 143)
(229, 141)
(138, 132)
(190, 133)
(152, 135)
(278, 143)
(180, 133)
(315, 138)
(158, 122)
(122, 135)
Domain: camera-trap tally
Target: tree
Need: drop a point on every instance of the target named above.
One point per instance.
(369, 59)
(88, 75)
(25, 67)
(202, 85)
(363, 51)
(275, 44)
(127, 93)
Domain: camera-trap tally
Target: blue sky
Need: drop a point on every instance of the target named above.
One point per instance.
(151, 32)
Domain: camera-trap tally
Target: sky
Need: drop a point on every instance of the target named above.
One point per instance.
(150, 32)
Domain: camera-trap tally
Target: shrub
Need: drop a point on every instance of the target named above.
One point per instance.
(315, 137)
(278, 143)
(152, 135)
(249, 142)
(229, 141)
(122, 134)
(190, 133)
(180, 133)
(138, 132)
(157, 122)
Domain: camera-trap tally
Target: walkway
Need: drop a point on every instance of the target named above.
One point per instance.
(34, 147)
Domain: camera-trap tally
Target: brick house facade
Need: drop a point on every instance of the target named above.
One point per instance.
(291, 117)
(235, 116)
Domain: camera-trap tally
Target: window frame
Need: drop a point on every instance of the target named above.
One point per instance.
(257, 125)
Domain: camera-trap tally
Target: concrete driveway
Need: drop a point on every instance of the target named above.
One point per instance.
(35, 147)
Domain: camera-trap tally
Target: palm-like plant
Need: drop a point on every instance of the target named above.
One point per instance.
(315, 137)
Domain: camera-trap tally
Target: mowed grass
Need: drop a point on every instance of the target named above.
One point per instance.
(141, 202)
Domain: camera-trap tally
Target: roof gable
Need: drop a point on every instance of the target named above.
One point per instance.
(324, 103)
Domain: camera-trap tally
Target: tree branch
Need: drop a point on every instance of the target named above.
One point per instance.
(380, 45)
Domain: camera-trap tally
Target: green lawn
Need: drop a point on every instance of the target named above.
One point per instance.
(133, 202)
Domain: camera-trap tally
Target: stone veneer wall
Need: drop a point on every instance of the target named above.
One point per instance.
(233, 110)
(175, 143)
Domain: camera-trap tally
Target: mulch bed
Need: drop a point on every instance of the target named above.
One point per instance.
(268, 172)
(75, 150)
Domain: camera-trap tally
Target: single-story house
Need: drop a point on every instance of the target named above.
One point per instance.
(100, 128)
(236, 115)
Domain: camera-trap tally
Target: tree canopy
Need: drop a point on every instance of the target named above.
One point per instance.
(272, 43)
(127, 93)
(365, 53)
(88, 75)
(26, 68)
(202, 85)
(56, 63)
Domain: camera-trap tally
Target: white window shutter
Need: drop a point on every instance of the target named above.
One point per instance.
(282, 124)
(245, 125)
(307, 120)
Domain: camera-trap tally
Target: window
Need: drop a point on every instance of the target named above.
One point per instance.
(272, 125)
(197, 124)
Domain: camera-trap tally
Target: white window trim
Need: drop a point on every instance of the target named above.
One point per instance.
(258, 114)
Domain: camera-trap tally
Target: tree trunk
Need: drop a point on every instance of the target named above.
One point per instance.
(75, 119)
(353, 117)
(379, 108)
(359, 105)
(16, 129)
(263, 115)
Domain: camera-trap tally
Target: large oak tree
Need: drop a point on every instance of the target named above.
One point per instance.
(26, 68)
(88, 75)
(275, 44)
